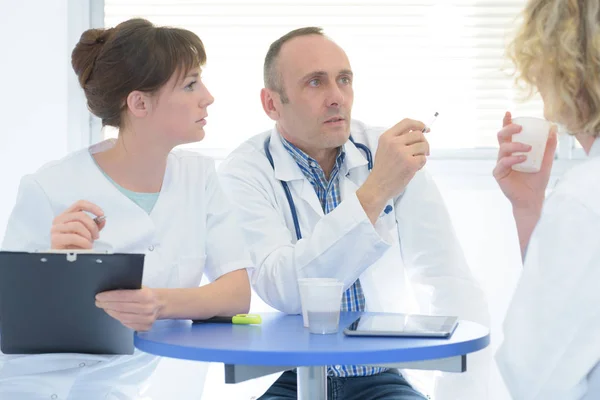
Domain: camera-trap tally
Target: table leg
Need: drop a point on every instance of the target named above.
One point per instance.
(312, 383)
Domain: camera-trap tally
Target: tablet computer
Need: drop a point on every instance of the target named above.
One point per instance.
(48, 305)
(403, 325)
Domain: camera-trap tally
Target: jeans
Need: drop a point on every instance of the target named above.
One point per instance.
(389, 385)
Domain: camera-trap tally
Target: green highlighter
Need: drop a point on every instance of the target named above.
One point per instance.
(240, 319)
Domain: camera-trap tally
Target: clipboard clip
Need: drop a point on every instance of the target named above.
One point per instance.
(71, 254)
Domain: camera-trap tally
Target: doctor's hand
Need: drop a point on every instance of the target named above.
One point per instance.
(74, 228)
(525, 191)
(136, 309)
(402, 151)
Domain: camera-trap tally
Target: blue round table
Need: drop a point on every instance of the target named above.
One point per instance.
(281, 342)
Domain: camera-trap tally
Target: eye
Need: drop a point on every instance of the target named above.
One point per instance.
(314, 82)
(345, 80)
(190, 87)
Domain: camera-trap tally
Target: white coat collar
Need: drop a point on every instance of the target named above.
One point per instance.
(287, 170)
(595, 149)
(355, 157)
(110, 143)
(285, 166)
(102, 191)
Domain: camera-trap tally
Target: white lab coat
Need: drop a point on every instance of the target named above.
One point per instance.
(551, 348)
(189, 232)
(415, 243)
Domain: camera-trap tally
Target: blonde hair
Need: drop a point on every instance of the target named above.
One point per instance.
(557, 51)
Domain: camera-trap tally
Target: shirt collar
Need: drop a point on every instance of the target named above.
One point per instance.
(287, 170)
(307, 164)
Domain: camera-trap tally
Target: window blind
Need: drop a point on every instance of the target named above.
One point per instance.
(410, 59)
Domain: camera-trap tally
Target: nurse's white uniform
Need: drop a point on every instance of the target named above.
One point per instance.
(551, 348)
(190, 231)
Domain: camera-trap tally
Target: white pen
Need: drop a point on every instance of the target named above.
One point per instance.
(431, 122)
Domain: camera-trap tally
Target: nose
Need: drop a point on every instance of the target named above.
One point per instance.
(335, 97)
(205, 99)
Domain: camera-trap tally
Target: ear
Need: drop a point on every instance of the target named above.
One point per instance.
(271, 103)
(139, 104)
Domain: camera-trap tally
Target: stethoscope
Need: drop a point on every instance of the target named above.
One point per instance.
(288, 193)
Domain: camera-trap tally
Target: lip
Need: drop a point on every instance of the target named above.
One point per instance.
(335, 120)
(202, 121)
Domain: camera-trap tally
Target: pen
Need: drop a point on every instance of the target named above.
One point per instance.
(240, 319)
(99, 220)
(432, 121)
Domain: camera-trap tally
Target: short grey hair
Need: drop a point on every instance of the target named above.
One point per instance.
(272, 76)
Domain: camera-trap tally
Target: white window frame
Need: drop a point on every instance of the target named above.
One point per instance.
(84, 128)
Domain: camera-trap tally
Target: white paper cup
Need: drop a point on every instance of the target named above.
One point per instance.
(534, 132)
(322, 301)
(303, 283)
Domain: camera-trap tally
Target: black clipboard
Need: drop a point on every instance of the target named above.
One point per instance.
(47, 302)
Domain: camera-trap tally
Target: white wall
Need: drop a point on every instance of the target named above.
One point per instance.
(38, 85)
(33, 107)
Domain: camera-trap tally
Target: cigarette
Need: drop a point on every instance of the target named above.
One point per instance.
(431, 122)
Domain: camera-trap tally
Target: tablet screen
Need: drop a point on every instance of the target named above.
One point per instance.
(404, 324)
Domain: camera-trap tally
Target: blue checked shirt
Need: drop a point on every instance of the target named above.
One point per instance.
(329, 196)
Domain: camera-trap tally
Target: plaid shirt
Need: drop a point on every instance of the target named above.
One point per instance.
(328, 193)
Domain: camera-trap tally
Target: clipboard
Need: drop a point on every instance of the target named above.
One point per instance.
(47, 302)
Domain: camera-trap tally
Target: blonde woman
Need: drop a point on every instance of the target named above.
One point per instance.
(551, 343)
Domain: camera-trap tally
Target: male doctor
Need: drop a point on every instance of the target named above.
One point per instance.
(367, 214)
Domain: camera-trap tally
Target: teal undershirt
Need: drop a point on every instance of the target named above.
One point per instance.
(145, 200)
